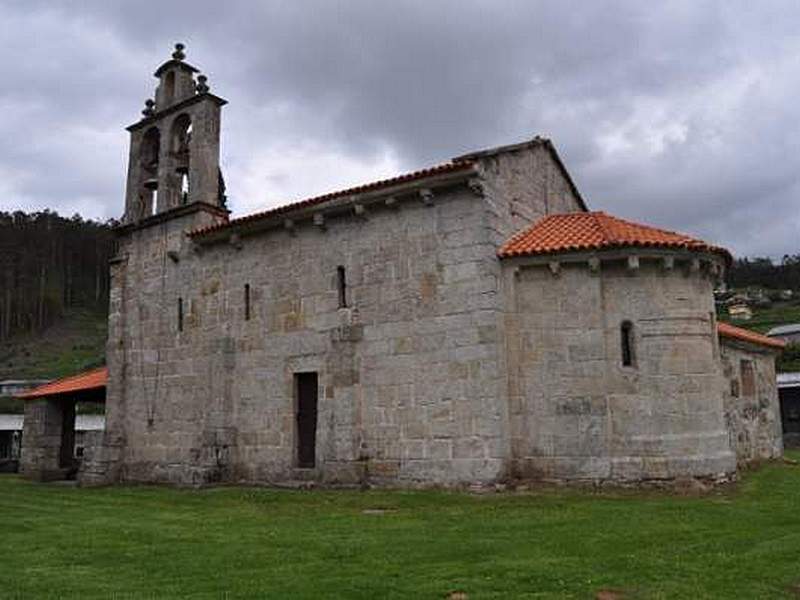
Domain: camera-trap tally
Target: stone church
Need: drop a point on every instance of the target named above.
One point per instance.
(468, 323)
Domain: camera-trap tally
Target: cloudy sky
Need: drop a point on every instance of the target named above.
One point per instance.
(683, 114)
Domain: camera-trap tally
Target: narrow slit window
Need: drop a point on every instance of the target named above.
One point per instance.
(626, 334)
(246, 301)
(748, 386)
(341, 281)
(180, 314)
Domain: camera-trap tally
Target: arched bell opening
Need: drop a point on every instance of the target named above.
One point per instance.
(149, 157)
(180, 150)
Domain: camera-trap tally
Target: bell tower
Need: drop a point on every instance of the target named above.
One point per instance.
(174, 148)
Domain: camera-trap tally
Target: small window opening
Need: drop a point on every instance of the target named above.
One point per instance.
(169, 86)
(246, 301)
(153, 201)
(180, 314)
(626, 334)
(341, 279)
(748, 378)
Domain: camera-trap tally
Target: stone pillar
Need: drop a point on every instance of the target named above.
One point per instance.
(42, 438)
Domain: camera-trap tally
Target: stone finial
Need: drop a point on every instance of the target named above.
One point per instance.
(202, 84)
(149, 108)
(179, 53)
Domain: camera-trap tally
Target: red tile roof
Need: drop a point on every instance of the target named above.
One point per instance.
(745, 335)
(88, 380)
(450, 167)
(595, 231)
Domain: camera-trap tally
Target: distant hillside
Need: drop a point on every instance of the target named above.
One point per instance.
(75, 342)
(49, 265)
(53, 296)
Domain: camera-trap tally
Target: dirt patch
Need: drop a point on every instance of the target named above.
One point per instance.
(610, 594)
(457, 595)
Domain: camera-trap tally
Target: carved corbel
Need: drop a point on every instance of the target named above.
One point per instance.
(426, 195)
(289, 225)
(359, 210)
(594, 264)
(476, 187)
(555, 268)
(668, 263)
(235, 241)
(319, 220)
(633, 263)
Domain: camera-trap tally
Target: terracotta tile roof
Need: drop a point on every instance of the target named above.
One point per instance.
(745, 335)
(595, 231)
(88, 380)
(450, 167)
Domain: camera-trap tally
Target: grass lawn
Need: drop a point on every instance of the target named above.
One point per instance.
(149, 542)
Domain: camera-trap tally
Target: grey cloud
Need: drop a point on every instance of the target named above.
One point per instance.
(682, 114)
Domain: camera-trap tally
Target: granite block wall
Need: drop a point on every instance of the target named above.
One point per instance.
(752, 410)
(576, 411)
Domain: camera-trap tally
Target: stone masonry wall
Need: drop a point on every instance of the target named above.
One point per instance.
(410, 384)
(752, 410)
(522, 186)
(577, 412)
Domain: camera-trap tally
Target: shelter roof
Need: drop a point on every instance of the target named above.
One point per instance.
(87, 380)
(727, 330)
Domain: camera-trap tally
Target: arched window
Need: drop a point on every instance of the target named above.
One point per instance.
(181, 134)
(151, 144)
(169, 86)
(627, 346)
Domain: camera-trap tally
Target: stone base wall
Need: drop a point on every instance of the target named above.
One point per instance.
(752, 410)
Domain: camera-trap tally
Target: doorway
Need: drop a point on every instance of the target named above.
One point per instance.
(306, 389)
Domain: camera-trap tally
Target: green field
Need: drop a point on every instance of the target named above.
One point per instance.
(150, 542)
